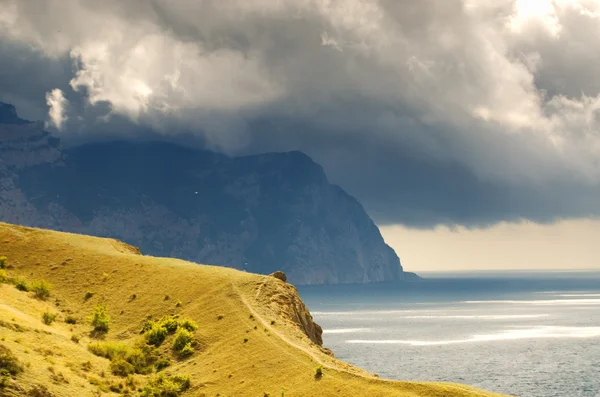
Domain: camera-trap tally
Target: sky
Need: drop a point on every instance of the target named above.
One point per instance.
(450, 120)
(565, 245)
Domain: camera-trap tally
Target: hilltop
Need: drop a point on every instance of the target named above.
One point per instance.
(250, 335)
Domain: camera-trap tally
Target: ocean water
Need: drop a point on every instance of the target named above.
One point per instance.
(523, 334)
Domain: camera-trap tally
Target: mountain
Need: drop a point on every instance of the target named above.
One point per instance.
(260, 213)
(245, 334)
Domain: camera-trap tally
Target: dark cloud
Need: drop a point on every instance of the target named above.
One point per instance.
(439, 111)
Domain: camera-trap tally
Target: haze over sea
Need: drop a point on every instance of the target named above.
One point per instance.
(527, 334)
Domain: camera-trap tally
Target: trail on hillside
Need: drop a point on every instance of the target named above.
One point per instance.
(274, 330)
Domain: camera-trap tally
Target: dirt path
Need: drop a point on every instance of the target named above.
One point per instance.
(273, 330)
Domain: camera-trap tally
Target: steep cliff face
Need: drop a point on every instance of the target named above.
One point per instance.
(258, 213)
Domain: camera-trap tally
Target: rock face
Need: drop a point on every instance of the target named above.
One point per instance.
(262, 213)
(284, 301)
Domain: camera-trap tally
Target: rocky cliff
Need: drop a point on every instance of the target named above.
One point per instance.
(258, 213)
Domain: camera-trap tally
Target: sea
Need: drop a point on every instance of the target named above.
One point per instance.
(526, 334)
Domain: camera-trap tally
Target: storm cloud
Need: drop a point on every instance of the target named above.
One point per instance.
(430, 112)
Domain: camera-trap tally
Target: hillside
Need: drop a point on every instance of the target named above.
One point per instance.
(257, 213)
(255, 337)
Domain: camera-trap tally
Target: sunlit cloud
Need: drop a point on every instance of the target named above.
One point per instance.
(57, 105)
(503, 92)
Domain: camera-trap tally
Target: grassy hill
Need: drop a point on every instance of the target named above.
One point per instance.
(209, 331)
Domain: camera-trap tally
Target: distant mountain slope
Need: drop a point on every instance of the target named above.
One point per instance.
(258, 213)
(253, 334)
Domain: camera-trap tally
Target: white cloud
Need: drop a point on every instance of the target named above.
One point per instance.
(57, 105)
(509, 87)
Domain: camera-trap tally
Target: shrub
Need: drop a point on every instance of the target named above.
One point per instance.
(188, 324)
(162, 364)
(8, 362)
(245, 340)
(187, 350)
(21, 285)
(142, 358)
(100, 319)
(48, 318)
(3, 260)
(41, 289)
(170, 324)
(3, 276)
(88, 295)
(319, 371)
(156, 335)
(121, 367)
(182, 338)
(4, 379)
(166, 386)
(75, 338)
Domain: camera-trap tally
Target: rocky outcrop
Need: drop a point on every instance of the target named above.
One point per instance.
(262, 213)
(279, 275)
(282, 300)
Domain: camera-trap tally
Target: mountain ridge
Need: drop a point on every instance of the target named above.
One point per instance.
(258, 213)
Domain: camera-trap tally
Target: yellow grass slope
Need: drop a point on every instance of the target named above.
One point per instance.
(251, 334)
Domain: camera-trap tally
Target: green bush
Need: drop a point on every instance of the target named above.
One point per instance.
(121, 367)
(100, 319)
(182, 338)
(166, 386)
(3, 260)
(162, 364)
(170, 324)
(88, 295)
(188, 324)
(187, 350)
(319, 371)
(41, 289)
(156, 335)
(142, 357)
(48, 318)
(75, 338)
(109, 350)
(8, 362)
(21, 285)
(3, 276)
